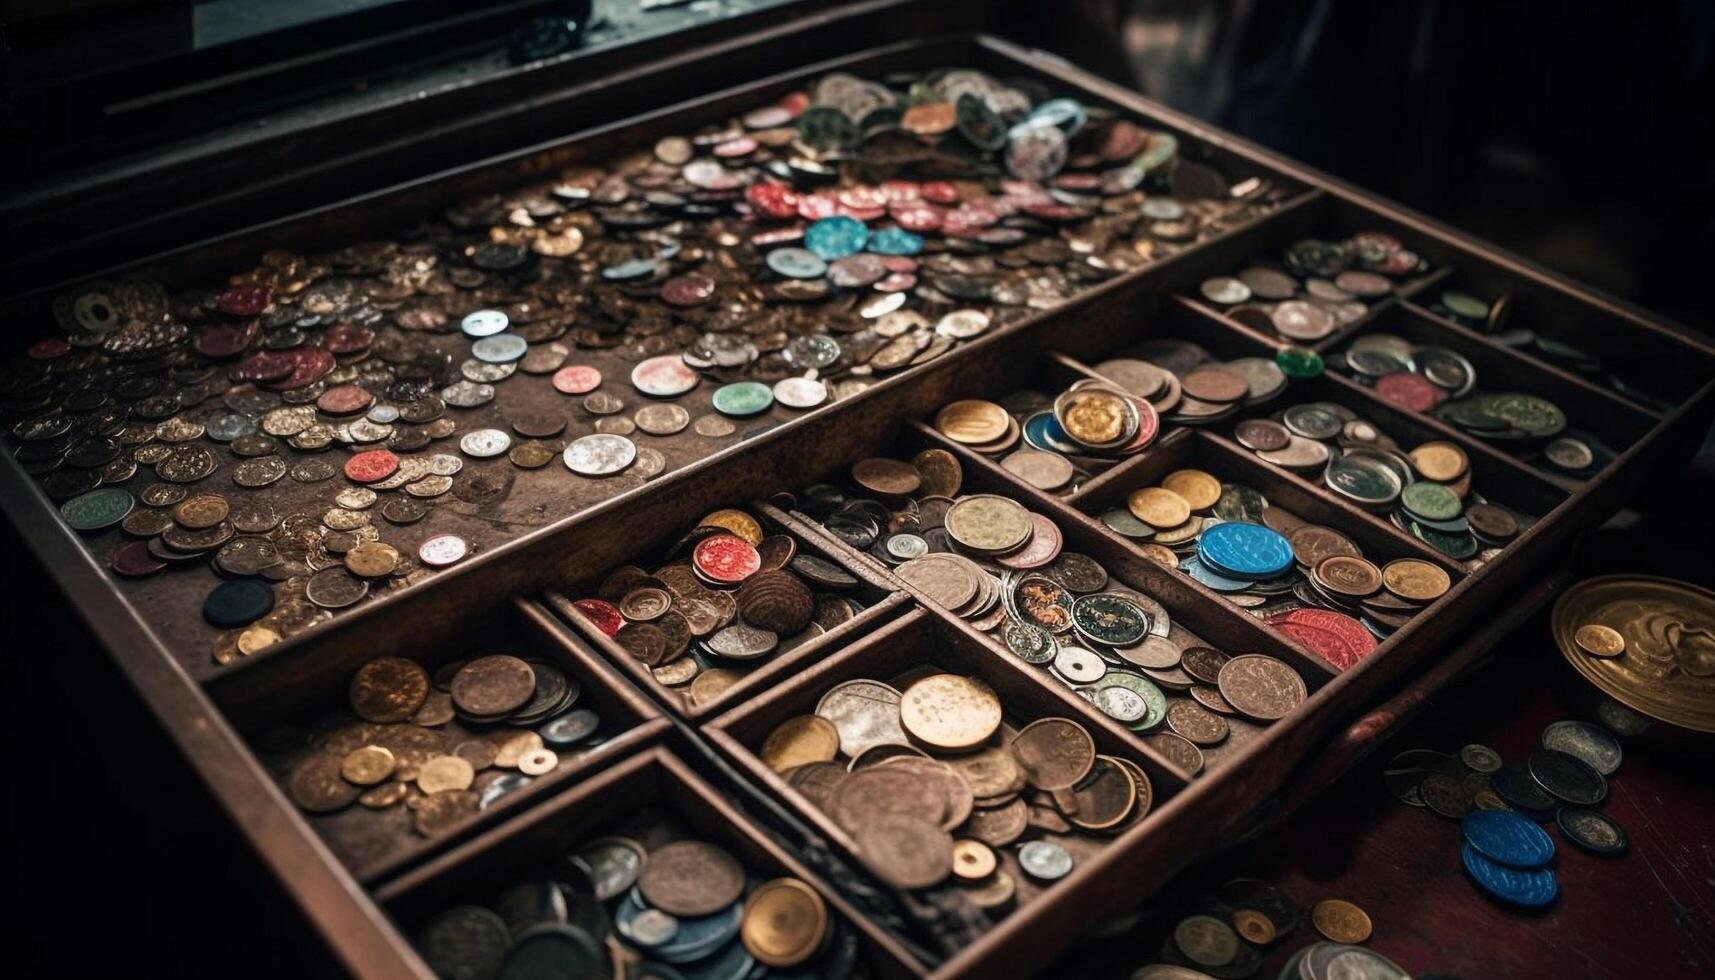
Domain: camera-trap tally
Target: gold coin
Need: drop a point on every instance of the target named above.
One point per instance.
(784, 923)
(257, 638)
(383, 796)
(372, 559)
(1254, 926)
(799, 741)
(516, 747)
(1094, 417)
(738, 522)
(1441, 462)
(1160, 554)
(204, 510)
(949, 712)
(367, 766)
(990, 524)
(1341, 921)
(1158, 507)
(445, 772)
(1200, 489)
(1596, 640)
(1415, 579)
(972, 860)
(972, 422)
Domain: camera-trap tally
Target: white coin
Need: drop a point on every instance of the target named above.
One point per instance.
(484, 443)
(600, 454)
(800, 392)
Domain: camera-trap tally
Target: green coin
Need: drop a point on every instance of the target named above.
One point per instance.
(1537, 417)
(1364, 479)
(99, 508)
(1465, 305)
(1124, 523)
(1472, 413)
(826, 128)
(1162, 148)
(1453, 544)
(743, 398)
(1298, 362)
(1431, 501)
(1151, 694)
(1110, 620)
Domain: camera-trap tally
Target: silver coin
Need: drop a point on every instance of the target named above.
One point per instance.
(963, 324)
(500, 348)
(800, 392)
(1079, 665)
(1045, 860)
(484, 372)
(444, 464)
(485, 443)
(1589, 743)
(601, 454)
(467, 394)
(1122, 704)
(484, 323)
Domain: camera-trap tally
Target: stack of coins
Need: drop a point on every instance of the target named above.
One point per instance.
(1231, 936)
(445, 748)
(613, 907)
(1189, 386)
(1421, 378)
(1318, 286)
(1304, 579)
(1500, 805)
(931, 784)
(1064, 438)
(728, 598)
(1052, 608)
(1426, 492)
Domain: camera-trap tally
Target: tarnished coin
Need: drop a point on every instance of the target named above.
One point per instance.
(691, 878)
(1261, 687)
(492, 686)
(906, 851)
(799, 741)
(388, 689)
(600, 454)
(317, 785)
(1340, 921)
(1054, 753)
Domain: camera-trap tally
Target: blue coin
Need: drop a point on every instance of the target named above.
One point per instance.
(733, 962)
(1044, 432)
(1504, 836)
(895, 241)
(502, 348)
(797, 263)
(1239, 549)
(836, 237)
(1527, 887)
(695, 938)
(1211, 578)
(237, 603)
(1066, 115)
(635, 269)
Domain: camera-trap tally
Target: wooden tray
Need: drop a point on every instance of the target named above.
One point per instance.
(203, 711)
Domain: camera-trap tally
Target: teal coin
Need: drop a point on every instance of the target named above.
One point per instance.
(836, 237)
(1453, 545)
(501, 348)
(99, 508)
(979, 123)
(1298, 362)
(1143, 686)
(1430, 501)
(743, 398)
(797, 263)
(895, 241)
(1110, 619)
(238, 603)
(826, 128)
(1536, 417)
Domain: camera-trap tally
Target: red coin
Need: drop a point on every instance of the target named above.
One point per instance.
(311, 364)
(47, 350)
(345, 400)
(1356, 634)
(688, 290)
(1079, 182)
(371, 465)
(772, 200)
(348, 338)
(1324, 644)
(899, 190)
(218, 341)
(791, 234)
(897, 282)
(731, 149)
(938, 192)
(726, 559)
(899, 263)
(795, 103)
(576, 379)
(815, 207)
(865, 215)
(133, 559)
(863, 197)
(244, 300)
(1043, 547)
(1410, 391)
(918, 217)
(605, 615)
(1148, 425)
(266, 365)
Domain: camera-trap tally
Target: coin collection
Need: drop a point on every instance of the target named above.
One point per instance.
(729, 598)
(612, 907)
(1491, 318)
(1308, 581)
(990, 560)
(1426, 492)
(444, 747)
(1438, 380)
(1500, 805)
(1317, 287)
(1231, 935)
(789, 255)
(1645, 643)
(932, 784)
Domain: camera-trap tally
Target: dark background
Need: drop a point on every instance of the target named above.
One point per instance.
(1578, 135)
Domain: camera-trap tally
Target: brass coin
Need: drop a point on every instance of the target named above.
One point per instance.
(1415, 579)
(711, 684)
(1600, 641)
(800, 741)
(1349, 576)
(988, 523)
(372, 559)
(887, 477)
(1095, 417)
(512, 749)
(949, 712)
(973, 860)
(1442, 462)
(738, 522)
(384, 796)
(1341, 921)
(972, 422)
(445, 772)
(388, 690)
(1159, 507)
(942, 476)
(689, 878)
(784, 923)
(1255, 927)
(368, 765)
(532, 454)
(1199, 489)
(205, 510)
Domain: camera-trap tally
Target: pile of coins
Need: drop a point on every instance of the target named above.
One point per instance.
(1500, 805)
(782, 254)
(1190, 386)
(728, 598)
(613, 908)
(1306, 580)
(1054, 608)
(1318, 286)
(1426, 378)
(1230, 938)
(513, 719)
(931, 783)
(1426, 492)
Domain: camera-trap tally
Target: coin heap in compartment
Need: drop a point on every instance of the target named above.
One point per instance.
(1004, 568)
(930, 782)
(728, 598)
(1317, 287)
(445, 747)
(790, 255)
(1428, 491)
(612, 906)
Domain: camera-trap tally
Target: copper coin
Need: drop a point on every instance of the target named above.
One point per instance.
(1105, 797)
(1213, 384)
(1196, 724)
(644, 641)
(1262, 435)
(492, 686)
(690, 878)
(388, 689)
(1313, 543)
(1491, 521)
(1261, 687)
(317, 785)
(1348, 575)
(999, 826)
(940, 473)
(1054, 753)
(906, 851)
(888, 477)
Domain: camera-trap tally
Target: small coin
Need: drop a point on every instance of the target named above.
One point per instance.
(1598, 640)
(1341, 921)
